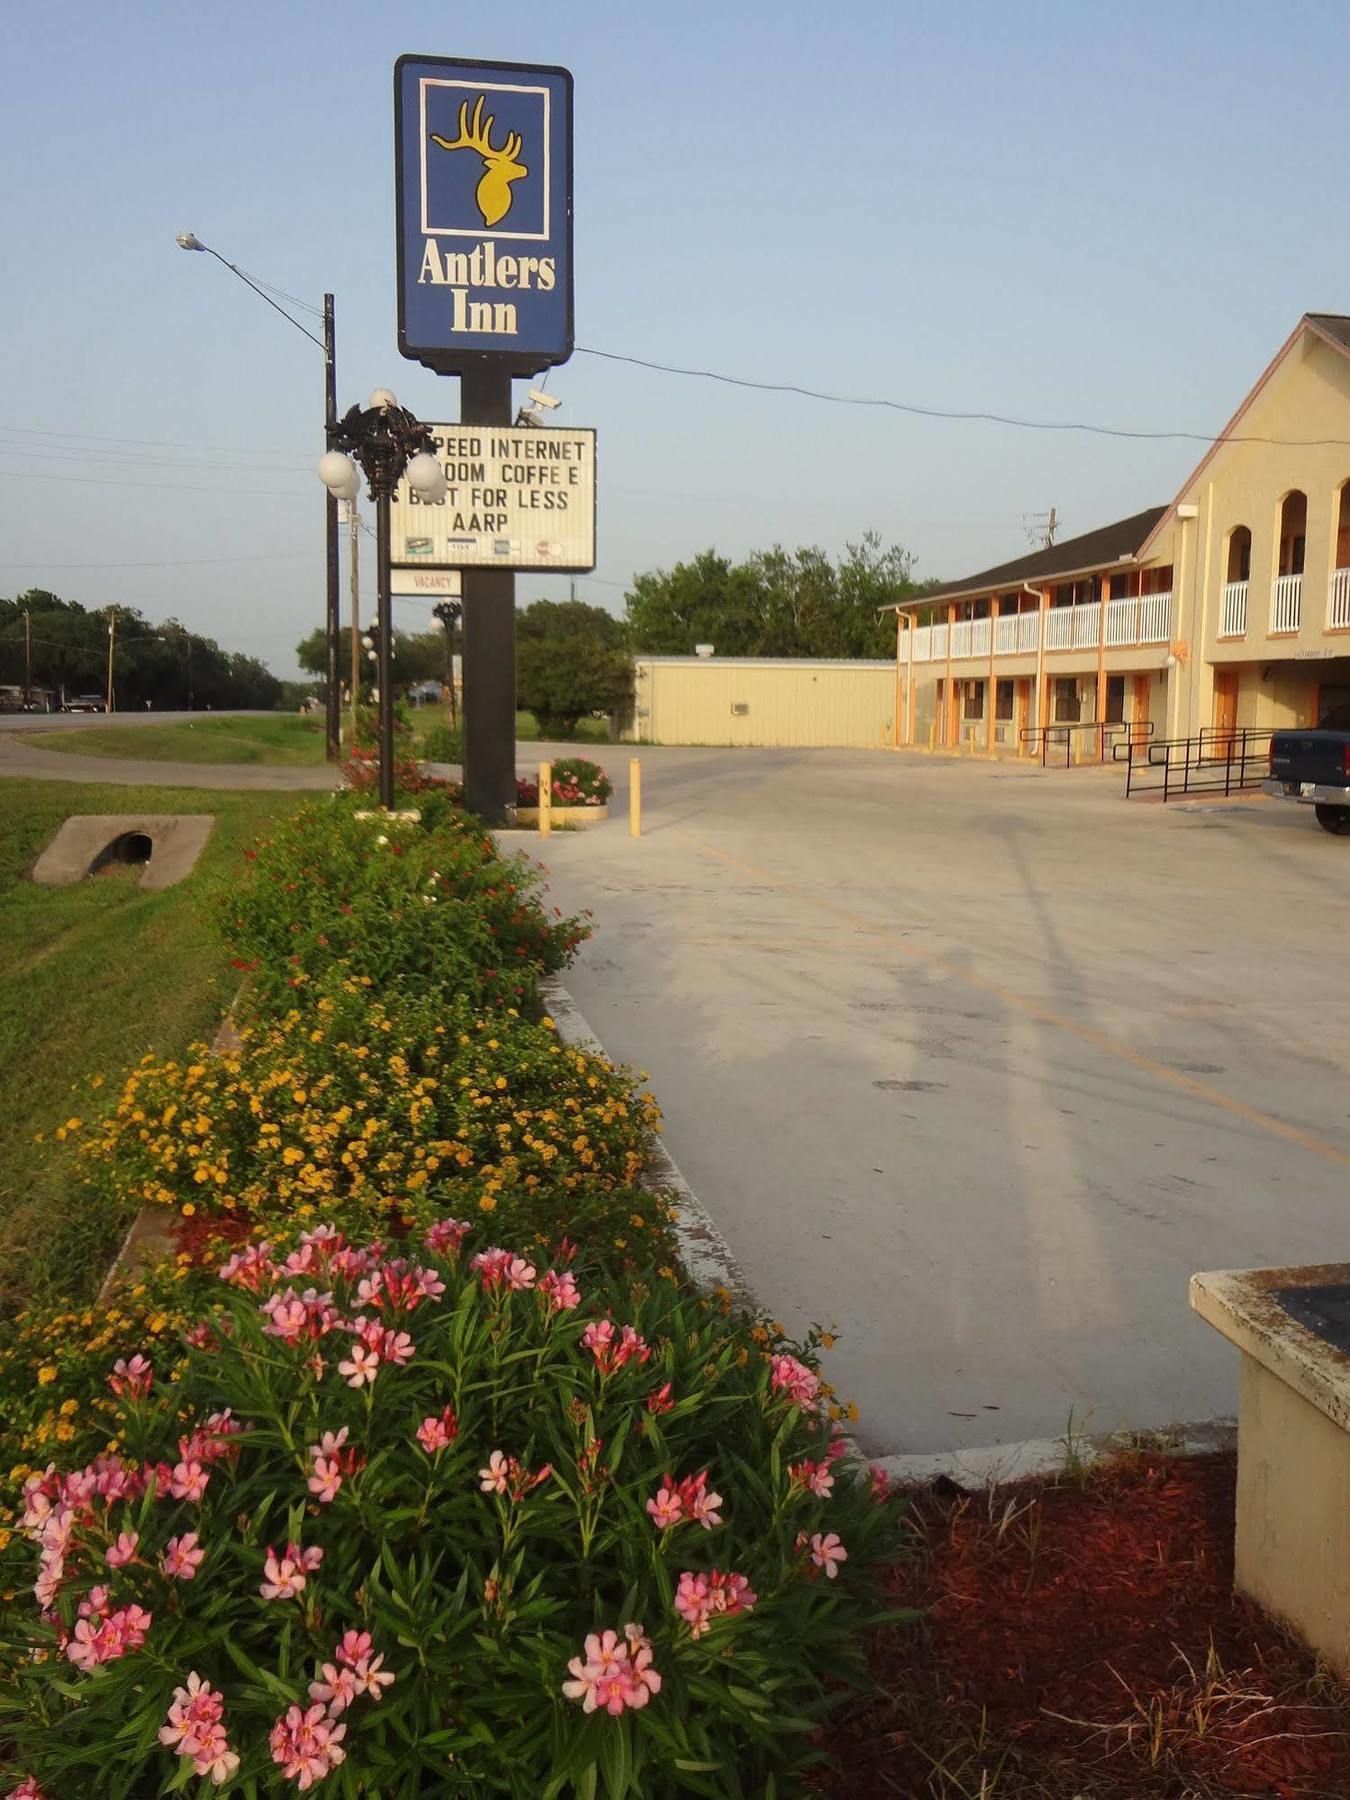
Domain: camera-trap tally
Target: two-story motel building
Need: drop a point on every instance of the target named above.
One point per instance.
(1229, 607)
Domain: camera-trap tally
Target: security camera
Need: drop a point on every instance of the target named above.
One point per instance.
(547, 401)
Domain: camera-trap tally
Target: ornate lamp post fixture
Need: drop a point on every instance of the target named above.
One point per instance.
(387, 442)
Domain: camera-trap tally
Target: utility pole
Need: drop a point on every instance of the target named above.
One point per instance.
(332, 612)
(488, 631)
(1050, 528)
(27, 658)
(354, 557)
(112, 639)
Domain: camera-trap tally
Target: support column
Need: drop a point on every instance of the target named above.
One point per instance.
(1041, 709)
(1101, 671)
(899, 679)
(991, 697)
(489, 636)
(948, 699)
(909, 682)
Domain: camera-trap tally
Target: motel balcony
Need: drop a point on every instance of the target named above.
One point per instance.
(1137, 619)
(1287, 611)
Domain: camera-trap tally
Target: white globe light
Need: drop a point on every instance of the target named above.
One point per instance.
(426, 477)
(383, 398)
(349, 487)
(337, 472)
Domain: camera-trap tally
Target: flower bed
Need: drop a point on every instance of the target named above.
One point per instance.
(427, 1515)
(576, 782)
(447, 1520)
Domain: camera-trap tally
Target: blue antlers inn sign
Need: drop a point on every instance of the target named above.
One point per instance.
(483, 160)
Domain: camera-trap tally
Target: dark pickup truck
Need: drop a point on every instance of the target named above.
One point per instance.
(1313, 767)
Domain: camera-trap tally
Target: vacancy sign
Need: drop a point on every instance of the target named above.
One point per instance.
(517, 498)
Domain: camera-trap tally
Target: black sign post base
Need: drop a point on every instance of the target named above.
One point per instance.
(489, 633)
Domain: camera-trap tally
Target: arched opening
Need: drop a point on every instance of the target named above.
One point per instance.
(1233, 619)
(131, 849)
(1338, 606)
(1286, 609)
(1293, 532)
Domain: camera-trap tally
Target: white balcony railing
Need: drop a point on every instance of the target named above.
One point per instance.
(1233, 618)
(1338, 601)
(1286, 603)
(1142, 619)
(1155, 618)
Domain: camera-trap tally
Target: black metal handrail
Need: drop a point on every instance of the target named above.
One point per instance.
(1110, 731)
(1216, 760)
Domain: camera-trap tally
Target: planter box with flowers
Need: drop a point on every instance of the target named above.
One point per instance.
(581, 791)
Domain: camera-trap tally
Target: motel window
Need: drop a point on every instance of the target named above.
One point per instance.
(1240, 554)
(972, 700)
(1003, 700)
(1068, 703)
(1115, 699)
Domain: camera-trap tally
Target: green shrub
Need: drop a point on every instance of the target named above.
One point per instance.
(393, 1508)
(444, 743)
(371, 1099)
(388, 900)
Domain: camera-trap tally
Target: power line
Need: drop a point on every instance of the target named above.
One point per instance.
(181, 562)
(938, 412)
(153, 443)
(160, 487)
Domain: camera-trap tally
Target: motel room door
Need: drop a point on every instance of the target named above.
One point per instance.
(1139, 708)
(1225, 710)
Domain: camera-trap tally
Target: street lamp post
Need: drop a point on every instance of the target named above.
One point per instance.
(188, 240)
(387, 442)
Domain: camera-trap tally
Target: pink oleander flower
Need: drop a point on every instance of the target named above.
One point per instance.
(699, 1598)
(325, 1481)
(187, 1481)
(560, 1290)
(360, 1367)
(27, 1789)
(94, 1642)
(131, 1378)
(503, 1269)
(827, 1552)
(353, 1647)
(446, 1235)
(371, 1677)
(194, 1728)
(182, 1558)
(659, 1400)
(399, 1286)
(251, 1269)
(95, 1603)
(812, 1478)
(793, 1378)
(666, 1507)
(300, 1318)
(496, 1477)
(614, 1673)
(612, 1349)
(307, 1745)
(51, 1574)
(286, 1576)
(122, 1549)
(438, 1432)
(698, 1503)
(214, 1440)
(334, 1688)
(881, 1483)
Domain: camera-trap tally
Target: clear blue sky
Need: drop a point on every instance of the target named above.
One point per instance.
(1114, 214)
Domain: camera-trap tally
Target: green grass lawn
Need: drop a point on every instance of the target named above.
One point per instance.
(91, 978)
(283, 738)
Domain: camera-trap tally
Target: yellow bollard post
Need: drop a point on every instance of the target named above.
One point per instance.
(634, 798)
(545, 798)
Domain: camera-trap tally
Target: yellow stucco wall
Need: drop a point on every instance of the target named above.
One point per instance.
(734, 700)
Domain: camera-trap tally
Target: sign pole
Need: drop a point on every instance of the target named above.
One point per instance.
(332, 616)
(488, 632)
(385, 615)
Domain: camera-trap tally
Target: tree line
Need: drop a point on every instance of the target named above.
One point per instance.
(574, 659)
(62, 648)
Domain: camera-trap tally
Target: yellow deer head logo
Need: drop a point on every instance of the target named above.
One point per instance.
(501, 167)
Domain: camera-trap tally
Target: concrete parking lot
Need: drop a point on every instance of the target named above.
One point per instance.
(977, 1064)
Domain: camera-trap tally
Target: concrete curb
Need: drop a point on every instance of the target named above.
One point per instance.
(706, 1255)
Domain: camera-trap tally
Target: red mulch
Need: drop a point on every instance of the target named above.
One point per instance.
(1082, 1639)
